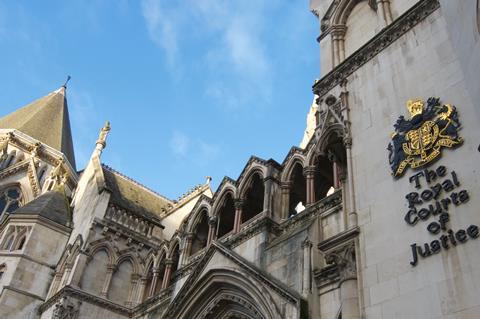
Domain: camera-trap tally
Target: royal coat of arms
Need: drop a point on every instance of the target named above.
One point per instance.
(418, 141)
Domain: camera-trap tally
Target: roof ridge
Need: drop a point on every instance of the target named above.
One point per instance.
(114, 171)
(192, 192)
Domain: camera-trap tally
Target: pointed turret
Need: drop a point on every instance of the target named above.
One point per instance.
(46, 120)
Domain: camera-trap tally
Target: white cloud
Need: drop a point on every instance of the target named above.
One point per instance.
(179, 144)
(162, 28)
(195, 150)
(237, 64)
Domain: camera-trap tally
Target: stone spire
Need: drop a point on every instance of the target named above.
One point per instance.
(46, 120)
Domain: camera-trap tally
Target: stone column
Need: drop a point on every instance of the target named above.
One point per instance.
(268, 196)
(156, 273)
(108, 278)
(344, 259)
(212, 227)
(142, 285)
(307, 267)
(347, 142)
(187, 248)
(168, 273)
(335, 169)
(55, 284)
(285, 187)
(352, 214)
(309, 173)
(79, 268)
(338, 43)
(385, 11)
(238, 215)
(133, 290)
(66, 275)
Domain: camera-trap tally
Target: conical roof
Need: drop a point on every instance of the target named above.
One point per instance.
(46, 120)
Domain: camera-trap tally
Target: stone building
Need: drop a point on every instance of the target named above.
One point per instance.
(357, 222)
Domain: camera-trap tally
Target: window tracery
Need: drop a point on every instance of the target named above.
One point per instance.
(10, 199)
(15, 238)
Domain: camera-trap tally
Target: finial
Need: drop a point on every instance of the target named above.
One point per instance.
(102, 137)
(68, 79)
(209, 179)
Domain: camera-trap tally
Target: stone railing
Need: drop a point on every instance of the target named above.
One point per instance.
(130, 220)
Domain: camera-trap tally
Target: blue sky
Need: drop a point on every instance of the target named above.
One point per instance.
(191, 88)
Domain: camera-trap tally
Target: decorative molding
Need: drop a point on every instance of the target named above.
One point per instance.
(377, 44)
(69, 291)
(256, 273)
(338, 239)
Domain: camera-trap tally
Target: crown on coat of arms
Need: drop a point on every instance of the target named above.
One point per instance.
(415, 107)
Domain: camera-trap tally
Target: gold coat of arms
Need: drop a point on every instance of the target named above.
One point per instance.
(418, 141)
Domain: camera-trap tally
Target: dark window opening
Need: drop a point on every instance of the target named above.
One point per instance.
(298, 191)
(226, 216)
(200, 233)
(253, 198)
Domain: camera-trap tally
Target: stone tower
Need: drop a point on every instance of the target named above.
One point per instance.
(38, 175)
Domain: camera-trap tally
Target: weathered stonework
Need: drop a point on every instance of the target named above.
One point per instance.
(327, 233)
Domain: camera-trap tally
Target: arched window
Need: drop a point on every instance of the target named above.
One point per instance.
(226, 216)
(175, 258)
(298, 190)
(15, 238)
(93, 277)
(3, 269)
(200, 233)
(121, 284)
(8, 242)
(253, 198)
(10, 199)
(21, 242)
(323, 177)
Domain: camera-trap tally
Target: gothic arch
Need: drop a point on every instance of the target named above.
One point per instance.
(174, 243)
(321, 143)
(246, 180)
(224, 210)
(252, 194)
(223, 291)
(107, 247)
(288, 168)
(137, 267)
(196, 215)
(219, 197)
(343, 11)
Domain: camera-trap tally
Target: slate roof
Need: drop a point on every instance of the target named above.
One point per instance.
(133, 196)
(52, 205)
(46, 120)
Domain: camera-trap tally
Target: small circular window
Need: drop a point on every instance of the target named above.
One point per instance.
(10, 199)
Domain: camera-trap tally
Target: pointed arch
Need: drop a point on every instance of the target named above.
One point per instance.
(252, 193)
(137, 267)
(225, 212)
(200, 231)
(121, 284)
(223, 291)
(246, 180)
(290, 164)
(95, 273)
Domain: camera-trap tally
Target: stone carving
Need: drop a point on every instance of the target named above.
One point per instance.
(65, 309)
(344, 259)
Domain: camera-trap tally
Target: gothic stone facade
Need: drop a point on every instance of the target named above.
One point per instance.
(327, 233)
